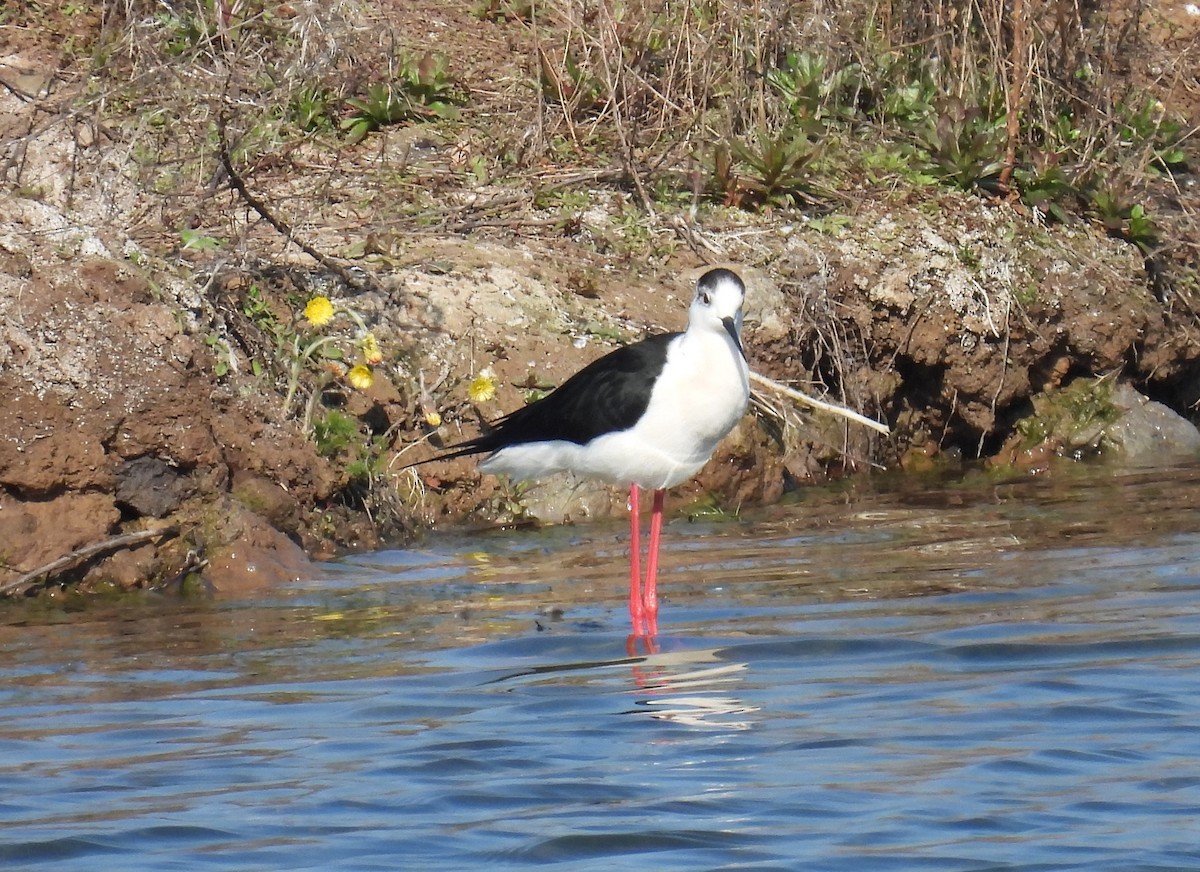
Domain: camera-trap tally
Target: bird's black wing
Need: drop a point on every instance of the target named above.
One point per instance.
(607, 395)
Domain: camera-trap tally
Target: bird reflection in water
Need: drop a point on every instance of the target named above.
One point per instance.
(690, 688)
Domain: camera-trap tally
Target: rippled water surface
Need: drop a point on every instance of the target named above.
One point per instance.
(950, 677)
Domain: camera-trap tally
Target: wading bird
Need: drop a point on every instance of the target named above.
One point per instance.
(647, 415)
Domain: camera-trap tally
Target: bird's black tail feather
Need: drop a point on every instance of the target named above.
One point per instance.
(479, 445)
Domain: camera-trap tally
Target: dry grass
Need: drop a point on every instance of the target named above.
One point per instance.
(752, 102)
(681, 106)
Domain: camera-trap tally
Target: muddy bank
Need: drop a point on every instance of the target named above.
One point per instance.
(116, 419)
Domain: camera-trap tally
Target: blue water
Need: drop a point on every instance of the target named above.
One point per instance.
(951, 677)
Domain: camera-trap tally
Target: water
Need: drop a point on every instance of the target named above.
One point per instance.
(945, 677)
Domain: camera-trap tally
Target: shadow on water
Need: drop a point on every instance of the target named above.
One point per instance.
(967, 676)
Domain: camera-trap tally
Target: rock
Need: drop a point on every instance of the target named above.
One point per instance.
(255, 558)
(148, 486)
(264, 497)
(1148, 433)
(1093, 416)
(561, 499)
(125, 569)
(34, 532)
(48, 448)
(766, 309)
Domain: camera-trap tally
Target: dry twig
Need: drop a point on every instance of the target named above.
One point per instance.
(819, 405)
(365, 282)
(81, 555)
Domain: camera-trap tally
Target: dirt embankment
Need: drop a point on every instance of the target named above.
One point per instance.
(144, 380)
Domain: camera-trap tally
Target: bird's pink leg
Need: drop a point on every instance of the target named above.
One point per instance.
(637, 613)
(650, 594)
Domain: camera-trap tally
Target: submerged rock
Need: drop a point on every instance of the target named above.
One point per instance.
(1149, 433)
(1100, 417)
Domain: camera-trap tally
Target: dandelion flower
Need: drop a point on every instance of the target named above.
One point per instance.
(370, 349)
(433, 419)
(319, 311)
(483, 388)
(360, 377)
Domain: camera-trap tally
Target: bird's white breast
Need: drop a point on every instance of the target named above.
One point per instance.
(700, 395)
(697, 399)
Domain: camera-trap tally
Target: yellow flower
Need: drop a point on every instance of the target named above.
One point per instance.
(483, 388)
(370, 349)
(433, 419)
(360, 377)
(319, 311)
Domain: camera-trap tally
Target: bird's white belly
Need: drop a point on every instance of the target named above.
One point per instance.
(688, 414)
(624, 457)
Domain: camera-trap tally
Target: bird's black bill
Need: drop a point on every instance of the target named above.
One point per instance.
(731, 328)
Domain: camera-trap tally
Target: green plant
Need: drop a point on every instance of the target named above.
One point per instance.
(1141, 230)
(509, 499)
(222, 354)
(1109, 203)
(810, 90)
(1072, 418)
(565, 200)
(889, 160)
(1043, 185)
(571, 86)
(909, 100)
(634, 228)
(257, 309)
(185, 32)
(1060, 135)
(1026, 294)
(899, 83)
(370, 461)
(776, 169)
(202, 24)
(382, 105)
(830, 225)
(310, 108)
(707, 508)
(1112, 203)
(194, 240)
(1088, 402)
(422, 90)
(604, 331)
(503, 10)
(333, 431)
(329, 349)
(966, 145)
(1143, 122)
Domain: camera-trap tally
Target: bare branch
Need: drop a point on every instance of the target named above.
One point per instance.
(81, 555)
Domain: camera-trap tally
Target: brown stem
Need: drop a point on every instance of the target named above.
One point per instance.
(1015, 87)
(79, 555)
(239, 185)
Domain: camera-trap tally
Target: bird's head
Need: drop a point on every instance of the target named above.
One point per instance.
(718, 304)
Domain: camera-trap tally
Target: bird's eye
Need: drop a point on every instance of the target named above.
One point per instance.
(705, 299)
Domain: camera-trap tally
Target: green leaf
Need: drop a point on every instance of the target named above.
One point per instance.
(197, 241)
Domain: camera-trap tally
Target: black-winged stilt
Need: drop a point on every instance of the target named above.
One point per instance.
(647, 415)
